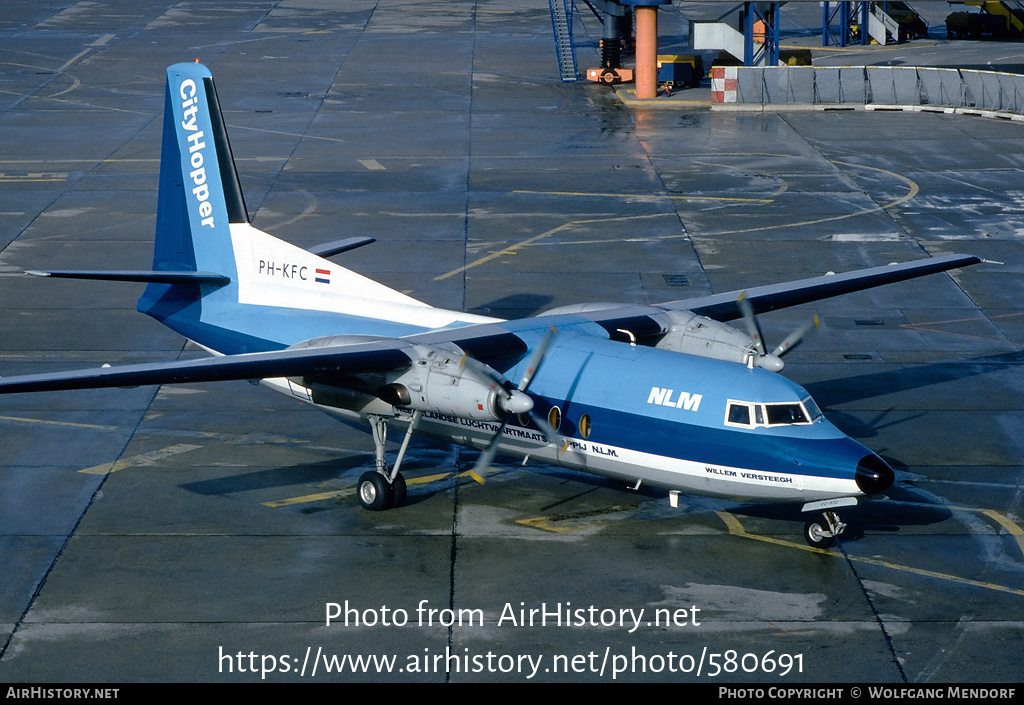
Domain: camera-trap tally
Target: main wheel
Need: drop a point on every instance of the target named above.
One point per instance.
(398, 489)
(374, 491)
(815, 533)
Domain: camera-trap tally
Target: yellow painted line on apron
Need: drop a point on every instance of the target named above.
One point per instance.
(912, 190)
(139, 460)
(75, 58)
(372, 164)
(736, 529)
(333, 494)
(310, 498)
(32, 177)
(576, 522)
(672, 196)
(511, 249)
(20, 419)
(1013, 529)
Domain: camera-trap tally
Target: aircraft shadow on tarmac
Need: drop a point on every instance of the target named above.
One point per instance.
(514, 306)
(848, 389)
(904, 506)
(271, 478)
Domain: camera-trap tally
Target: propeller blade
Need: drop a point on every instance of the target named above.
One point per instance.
(484, 374)
(753, 327)
(536, 360)
(483, 463)
(796, 337)
(543, 425)
(514, 401)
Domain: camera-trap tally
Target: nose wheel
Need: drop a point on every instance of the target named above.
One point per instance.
(822, 531)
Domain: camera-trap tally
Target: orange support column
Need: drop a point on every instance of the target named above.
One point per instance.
(646, 18)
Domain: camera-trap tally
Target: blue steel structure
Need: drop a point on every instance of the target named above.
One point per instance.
(836, 18)
(766, 52)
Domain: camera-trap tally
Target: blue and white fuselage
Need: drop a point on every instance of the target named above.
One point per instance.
(668, 395)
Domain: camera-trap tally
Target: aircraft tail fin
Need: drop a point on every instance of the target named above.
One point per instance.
(225, 284)
(228, 286)
(200, 195)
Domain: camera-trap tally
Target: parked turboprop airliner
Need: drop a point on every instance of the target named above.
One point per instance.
(667, 396)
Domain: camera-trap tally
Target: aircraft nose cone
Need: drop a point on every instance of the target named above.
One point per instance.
(873, 475)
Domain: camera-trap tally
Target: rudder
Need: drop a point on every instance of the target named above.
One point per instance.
(200, 194)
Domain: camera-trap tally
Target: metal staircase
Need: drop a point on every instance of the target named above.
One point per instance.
(1012, 12)
(561, 22)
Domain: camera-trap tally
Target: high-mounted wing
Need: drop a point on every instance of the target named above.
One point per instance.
(232, 288)
(483, 342)
(376, 356)
(626, 322)
(722, 307)
(491, 343)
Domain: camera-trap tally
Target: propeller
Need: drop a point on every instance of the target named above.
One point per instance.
(514, 401)
(796, 337)
(773, 361)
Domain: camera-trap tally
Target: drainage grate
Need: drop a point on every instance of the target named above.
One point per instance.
(675, 280)
(869, 322)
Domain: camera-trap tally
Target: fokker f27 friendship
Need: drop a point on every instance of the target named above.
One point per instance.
(667, 396)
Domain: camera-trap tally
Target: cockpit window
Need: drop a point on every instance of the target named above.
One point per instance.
(739, 414)
(786, 414)
(742, 413)
(812, 409)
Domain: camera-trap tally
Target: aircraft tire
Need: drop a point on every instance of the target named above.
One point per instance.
(814, 534)
(398, 491)
(374, 492)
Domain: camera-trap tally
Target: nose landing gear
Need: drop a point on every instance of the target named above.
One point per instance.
(822, 532)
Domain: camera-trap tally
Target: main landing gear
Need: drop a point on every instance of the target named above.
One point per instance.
(384, 488)
(376, 492)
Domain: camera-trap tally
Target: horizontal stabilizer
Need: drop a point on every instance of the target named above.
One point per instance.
(139, 276)
(338, 246)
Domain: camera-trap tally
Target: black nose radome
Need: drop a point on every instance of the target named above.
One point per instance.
(873, 475)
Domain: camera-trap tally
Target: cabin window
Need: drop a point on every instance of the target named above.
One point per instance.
(584, 426)
(555, 418)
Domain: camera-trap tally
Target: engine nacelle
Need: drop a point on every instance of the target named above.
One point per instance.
(439, 381)
(698, 335)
